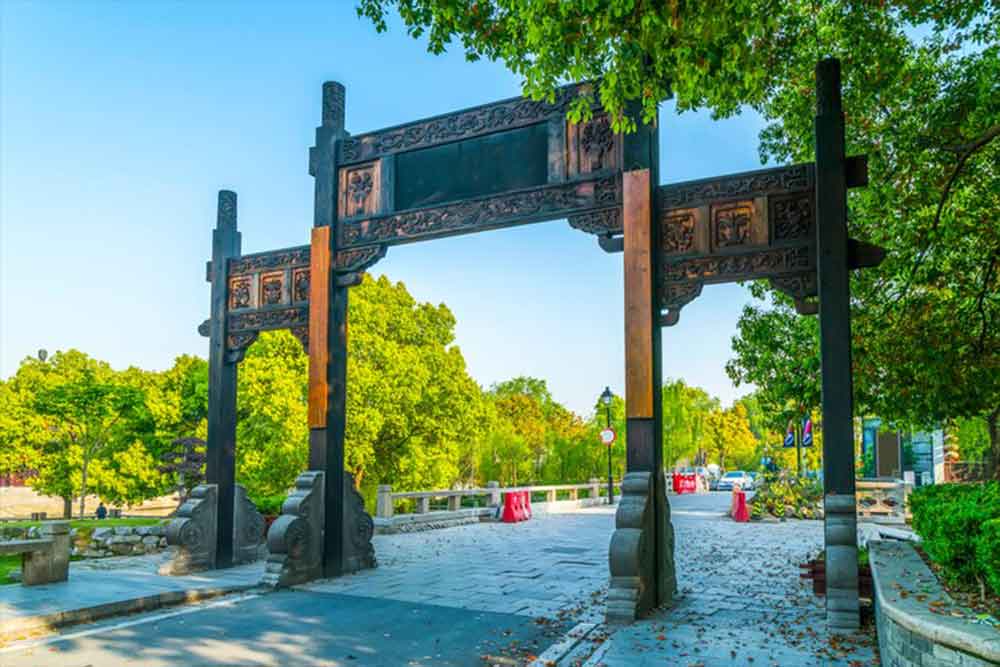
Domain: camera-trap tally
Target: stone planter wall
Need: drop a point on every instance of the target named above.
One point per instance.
(909, 633)
(119, 541)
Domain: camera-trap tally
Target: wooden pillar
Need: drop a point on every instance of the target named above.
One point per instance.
(643, 450)
(840, 524)
(328, 332)
(221, 447)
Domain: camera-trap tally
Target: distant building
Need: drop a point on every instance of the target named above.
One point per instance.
(894, 453)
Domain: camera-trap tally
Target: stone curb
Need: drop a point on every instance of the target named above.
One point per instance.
(16, 629)
(898, 562)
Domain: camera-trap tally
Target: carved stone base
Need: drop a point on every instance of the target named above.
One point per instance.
(193, 532)
(295, 539)
(359, 553)
(248, 528)
(638, 582)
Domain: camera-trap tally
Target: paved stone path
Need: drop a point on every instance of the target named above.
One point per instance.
(550, 567)
(451, 597)
(741, 601)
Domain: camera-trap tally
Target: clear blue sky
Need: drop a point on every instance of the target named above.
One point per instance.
(120, 121)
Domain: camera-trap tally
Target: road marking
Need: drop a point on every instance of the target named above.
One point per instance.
(124, 624)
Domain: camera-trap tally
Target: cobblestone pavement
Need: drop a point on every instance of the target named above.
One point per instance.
(741, 601)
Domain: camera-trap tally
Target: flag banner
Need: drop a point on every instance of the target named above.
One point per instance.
(790, 436)
(807, 433)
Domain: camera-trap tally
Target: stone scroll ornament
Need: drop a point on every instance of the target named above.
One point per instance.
(295, 539)
(193, 532)
(248, 528)
(632, 551)
(359, 553)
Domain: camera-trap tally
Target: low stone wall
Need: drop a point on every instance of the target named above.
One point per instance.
(909, 633)
(118, 541)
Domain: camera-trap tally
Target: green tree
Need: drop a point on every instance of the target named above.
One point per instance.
(87, 424)
(922, 91)
(685, 414)
(729, 438)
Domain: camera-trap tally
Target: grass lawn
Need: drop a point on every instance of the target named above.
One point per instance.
(9, 564)
(91, 523)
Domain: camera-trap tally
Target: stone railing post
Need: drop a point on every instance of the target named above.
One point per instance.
(595, 488)
(550, 496)
(383, 502)
(423, 505)
(573, 493)
(295, 539)
(193, 532)
(494, 495)
(454, 502)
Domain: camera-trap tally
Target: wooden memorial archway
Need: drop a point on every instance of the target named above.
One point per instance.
(514, 162)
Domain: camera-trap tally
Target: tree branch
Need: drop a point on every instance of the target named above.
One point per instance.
(964, 151)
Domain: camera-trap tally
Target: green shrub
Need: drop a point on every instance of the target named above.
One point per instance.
(988, 553)
(784, 496)
(269, 505)
(950, 519)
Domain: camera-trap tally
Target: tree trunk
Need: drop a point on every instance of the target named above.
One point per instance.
(993, 463)
(83, 488)
(67, 507)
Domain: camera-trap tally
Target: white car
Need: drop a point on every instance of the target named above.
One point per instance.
(735, 478)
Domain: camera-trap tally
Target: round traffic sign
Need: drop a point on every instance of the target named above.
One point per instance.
(608, 435)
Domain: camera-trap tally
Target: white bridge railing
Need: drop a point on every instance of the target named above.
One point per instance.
(414, 510)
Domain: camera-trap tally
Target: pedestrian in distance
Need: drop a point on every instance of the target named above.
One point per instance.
(102, 511)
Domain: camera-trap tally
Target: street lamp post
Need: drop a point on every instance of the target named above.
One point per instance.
(606, 400)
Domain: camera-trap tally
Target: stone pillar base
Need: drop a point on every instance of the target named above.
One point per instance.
(192, 533)
(641, 555)
(295, 539)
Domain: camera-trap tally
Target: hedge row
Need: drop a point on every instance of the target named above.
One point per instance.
(960, 528)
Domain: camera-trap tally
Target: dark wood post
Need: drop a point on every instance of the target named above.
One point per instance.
(840, 524)
(328, 317)
(221, 447)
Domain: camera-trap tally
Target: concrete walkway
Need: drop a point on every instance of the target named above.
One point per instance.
(107, 587)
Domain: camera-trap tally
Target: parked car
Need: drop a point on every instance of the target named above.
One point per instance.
(735, 478)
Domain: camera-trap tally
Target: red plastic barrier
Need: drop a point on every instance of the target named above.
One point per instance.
(509, 512)
(676, 479)
(740, 512)
(686, 483)
(527, 504)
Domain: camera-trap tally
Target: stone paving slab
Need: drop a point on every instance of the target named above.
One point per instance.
(551, 566)
(94, 592)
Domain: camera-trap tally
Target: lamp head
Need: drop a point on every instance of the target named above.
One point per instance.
(607, 396)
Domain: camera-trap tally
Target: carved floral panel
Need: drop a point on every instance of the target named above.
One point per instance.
(679, 230)
(591, 146)
(272, 288)
(732, 224)
(300, 285)
(360, 189)
(240, 291)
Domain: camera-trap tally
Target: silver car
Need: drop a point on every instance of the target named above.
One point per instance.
(735, 478)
